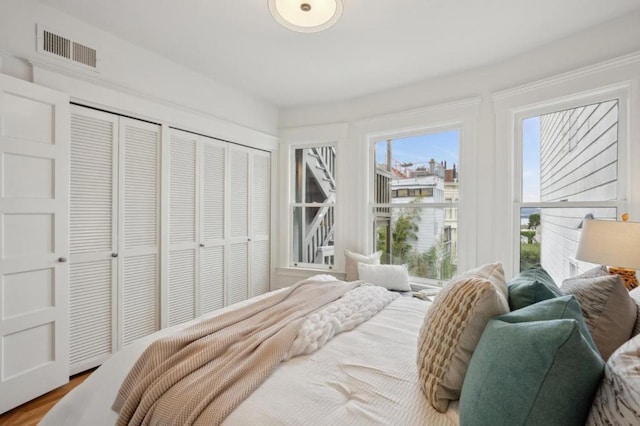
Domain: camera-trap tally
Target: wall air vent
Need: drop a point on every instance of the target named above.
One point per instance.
(52, 43)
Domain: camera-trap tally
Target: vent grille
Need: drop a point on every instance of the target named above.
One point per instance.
(52, 44)
(57, 45)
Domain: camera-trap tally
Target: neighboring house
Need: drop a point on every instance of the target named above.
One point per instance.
(578, 162)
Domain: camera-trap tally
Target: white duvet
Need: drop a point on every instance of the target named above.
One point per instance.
(364, 376)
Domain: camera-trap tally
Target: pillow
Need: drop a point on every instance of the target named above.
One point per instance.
(352, 259)
(609, 311)
(618, 399)
(534, 366)
(531, 286)
(391, 277)
(635, 294)
(451, 330)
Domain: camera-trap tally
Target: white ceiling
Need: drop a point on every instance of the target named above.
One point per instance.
(377, 45)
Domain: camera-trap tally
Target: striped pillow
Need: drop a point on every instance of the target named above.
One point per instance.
(452, 328)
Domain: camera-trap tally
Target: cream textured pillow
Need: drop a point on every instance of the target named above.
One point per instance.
(609, 311)
(391, 277)
(618, 399)
(452, 328)
(352, 259)
(635, 294)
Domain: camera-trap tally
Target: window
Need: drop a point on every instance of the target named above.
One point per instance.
(313, 207)
(570, 170)
(416, 183)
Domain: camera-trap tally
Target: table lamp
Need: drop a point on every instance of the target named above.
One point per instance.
(609, 242)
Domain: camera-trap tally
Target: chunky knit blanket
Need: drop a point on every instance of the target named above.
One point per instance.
(201, 374)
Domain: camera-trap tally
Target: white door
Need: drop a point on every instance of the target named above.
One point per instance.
(183, 227)
(260, 223)
(93, 234)
(34, 137)
(238, 225)
(212, 237)
(138, 239)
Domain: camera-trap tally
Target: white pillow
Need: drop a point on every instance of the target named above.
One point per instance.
(352, 260)
(391, 277)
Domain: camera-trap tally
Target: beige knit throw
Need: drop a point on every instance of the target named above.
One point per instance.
(201, 374)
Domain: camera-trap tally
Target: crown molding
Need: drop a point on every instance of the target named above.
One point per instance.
(567, 76)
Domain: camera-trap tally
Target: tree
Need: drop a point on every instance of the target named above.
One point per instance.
(534, 220)
(529, 235)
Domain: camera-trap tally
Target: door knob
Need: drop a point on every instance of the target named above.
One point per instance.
(114, 254)
(202, 245)
(62, 259)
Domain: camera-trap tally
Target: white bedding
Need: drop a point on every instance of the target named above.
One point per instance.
(365, 376)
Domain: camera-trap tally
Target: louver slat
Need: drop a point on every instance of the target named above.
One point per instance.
(181, 286)
(140, 297)
(260, 193)
(259, 267)
(213, 192)
(182, 208)
(140, 187)
(89, 312)
(91, 184)
(212, 279)
(238, 193)
(238, 264)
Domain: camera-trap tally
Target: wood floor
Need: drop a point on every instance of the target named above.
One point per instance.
(30, 413)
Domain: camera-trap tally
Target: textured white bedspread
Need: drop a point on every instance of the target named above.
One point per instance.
(365, 376)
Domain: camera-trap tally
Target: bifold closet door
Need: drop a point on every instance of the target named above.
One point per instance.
(183, 226)
(238, 225)
(138, 231)
(212, 235)
(93, 233)
(260, 221)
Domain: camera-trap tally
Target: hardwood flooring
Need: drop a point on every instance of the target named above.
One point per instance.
(30, 413)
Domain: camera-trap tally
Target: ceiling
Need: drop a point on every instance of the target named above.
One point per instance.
(377, 44)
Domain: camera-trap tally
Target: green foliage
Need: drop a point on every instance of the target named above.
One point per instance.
(534, 220)
(529, 255)
(529, 235)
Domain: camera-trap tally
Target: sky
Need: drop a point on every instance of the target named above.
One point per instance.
(445, 146)
(441, 146)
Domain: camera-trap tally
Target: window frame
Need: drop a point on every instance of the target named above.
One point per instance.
(622, 94)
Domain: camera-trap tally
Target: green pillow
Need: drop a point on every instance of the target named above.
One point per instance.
(535, 366)
(531, 286)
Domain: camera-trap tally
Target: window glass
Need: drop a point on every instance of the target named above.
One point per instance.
(416, 182)
(568, 157)
(313, 209)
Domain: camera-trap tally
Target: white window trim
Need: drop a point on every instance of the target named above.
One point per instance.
(306, 137)
(462, 116)
(621, 92)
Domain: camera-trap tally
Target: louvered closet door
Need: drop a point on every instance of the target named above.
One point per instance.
(238, 226)
(138, 272)
(92, 237)
(212, 225)
(183, 225)
(260, 223)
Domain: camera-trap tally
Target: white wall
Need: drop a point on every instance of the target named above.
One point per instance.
(486, 167)
(125, 68)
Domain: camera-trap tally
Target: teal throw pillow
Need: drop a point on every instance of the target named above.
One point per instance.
(535, 366)
(531, 286)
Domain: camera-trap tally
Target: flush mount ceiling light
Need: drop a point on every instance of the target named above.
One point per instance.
(306, 16)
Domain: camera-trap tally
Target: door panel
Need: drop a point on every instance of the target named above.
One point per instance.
(138, 239)
(34, 177)
(93, 235)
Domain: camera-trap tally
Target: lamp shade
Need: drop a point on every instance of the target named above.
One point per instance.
(610, 243)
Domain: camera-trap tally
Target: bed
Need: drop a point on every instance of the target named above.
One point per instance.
(364, 376)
